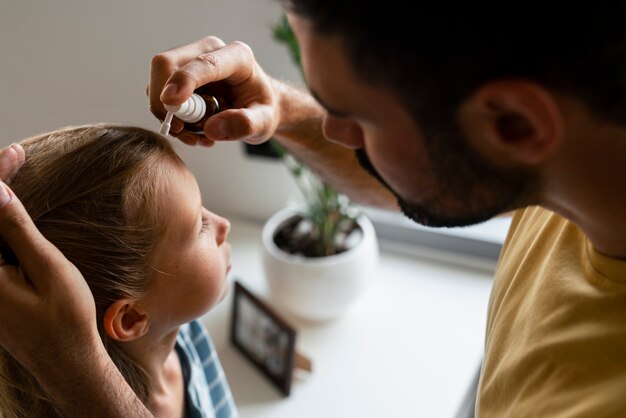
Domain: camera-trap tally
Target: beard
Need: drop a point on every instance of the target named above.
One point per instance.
(469, 190)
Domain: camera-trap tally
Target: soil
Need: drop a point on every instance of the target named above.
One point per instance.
(294, 237)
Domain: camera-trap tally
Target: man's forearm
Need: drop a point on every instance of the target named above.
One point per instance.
(97, 389)
(300, 132)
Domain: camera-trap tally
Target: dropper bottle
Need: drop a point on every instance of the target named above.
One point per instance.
(194, 112)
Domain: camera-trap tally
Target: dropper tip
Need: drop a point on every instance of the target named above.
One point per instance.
(167, 124)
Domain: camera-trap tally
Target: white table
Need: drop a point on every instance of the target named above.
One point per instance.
(408, 348)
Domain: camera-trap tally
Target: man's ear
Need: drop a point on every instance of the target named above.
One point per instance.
(125, 320)
(513, 122)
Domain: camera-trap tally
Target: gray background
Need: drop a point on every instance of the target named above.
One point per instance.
(71, 62)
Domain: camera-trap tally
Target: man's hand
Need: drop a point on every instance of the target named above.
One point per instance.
(229, 71)
(45, 304)
(44, 301)
(48, 316)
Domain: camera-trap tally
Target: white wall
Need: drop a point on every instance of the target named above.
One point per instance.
(68, 62)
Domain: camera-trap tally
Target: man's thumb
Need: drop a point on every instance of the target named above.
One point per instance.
(37, 256)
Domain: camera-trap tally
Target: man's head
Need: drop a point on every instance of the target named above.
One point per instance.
(459, 108)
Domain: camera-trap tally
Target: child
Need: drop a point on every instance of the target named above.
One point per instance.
(121, 205)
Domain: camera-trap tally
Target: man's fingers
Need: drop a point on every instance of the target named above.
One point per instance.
(15, 291)
(253, 125)
(175, 74)
(233, 63)
(38, 258)
(166, 63)
(11, 159)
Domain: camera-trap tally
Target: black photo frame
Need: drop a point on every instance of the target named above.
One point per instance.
(263, 337)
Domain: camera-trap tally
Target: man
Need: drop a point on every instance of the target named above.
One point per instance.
(460, 112)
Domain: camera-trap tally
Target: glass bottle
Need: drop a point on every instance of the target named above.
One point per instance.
(193, 112)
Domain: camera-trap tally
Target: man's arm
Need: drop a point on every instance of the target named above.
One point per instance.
(48, 317)
(261, 108)
(300, 131)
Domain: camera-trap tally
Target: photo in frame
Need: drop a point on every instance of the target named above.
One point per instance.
(263, 337)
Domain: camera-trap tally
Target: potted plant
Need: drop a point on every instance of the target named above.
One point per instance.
(319, 256)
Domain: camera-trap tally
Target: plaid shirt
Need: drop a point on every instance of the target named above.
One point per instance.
(207, 391)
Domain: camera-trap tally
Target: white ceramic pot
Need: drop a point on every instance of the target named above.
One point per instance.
(318, 289)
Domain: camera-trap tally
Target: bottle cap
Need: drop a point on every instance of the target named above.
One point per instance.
(191, 111)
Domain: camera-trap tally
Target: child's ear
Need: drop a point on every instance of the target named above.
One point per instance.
(124, 320)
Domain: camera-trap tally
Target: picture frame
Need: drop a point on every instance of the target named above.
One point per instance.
(263, 337)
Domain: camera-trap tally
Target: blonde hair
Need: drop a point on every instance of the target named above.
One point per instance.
(93, 192)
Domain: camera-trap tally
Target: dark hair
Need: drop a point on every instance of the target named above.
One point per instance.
(434, 54)
(93, 192)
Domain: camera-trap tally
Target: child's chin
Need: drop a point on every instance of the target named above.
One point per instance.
(224, 292)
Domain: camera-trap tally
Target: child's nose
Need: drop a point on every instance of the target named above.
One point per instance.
(223, 228)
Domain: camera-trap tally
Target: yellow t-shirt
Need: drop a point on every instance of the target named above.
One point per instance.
(556, 328)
